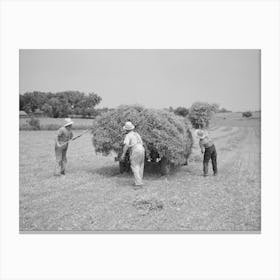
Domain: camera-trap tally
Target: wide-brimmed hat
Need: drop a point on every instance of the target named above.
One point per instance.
(128, 126)
(68, 121)
(200, 134)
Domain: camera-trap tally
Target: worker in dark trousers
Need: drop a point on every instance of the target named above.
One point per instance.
(208, 148)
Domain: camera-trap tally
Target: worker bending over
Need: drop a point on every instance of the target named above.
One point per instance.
(208, 148)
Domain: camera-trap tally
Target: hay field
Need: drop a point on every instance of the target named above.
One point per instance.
(53, 124)
(93, 196)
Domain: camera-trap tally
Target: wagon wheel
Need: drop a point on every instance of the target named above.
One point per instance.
(124, 166)
(164, 166)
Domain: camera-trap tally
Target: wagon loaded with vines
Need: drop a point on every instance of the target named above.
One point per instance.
(167, 138)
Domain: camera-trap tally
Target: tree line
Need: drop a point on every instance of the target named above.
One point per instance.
(63, 104)
(60, 104)
(183, 111)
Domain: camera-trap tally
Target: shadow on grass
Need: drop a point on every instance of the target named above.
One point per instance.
(107, 171)
(150, 171)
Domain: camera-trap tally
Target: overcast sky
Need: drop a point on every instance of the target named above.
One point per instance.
(154, 78)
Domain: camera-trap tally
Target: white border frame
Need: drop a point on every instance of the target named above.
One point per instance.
(155, 24)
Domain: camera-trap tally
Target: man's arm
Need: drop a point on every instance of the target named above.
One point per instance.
(57, 142)
(71, 134)
(125, 148)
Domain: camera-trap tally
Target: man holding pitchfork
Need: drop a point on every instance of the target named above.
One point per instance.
(64, 135)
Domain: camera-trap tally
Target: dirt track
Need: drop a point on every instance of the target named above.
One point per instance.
(237, 188)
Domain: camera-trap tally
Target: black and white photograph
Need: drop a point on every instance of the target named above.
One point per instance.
(140, 140)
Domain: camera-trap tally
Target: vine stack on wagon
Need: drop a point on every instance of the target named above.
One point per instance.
(167, 138)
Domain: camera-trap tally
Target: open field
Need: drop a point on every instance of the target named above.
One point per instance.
(53, 124)
(94, 196)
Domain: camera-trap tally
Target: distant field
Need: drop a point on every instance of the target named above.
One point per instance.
(234, 119)
(94, 196)
(53, 124)
(228, 119)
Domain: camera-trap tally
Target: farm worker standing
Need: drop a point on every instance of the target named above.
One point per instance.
(208, 148)
(64, 134)
(137, 152)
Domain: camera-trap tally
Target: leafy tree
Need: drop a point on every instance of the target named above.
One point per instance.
(21, 102)
(247, 114)
(54, 105)
(60, 104)
(31, 101)
(71, 97)
(224, 110)
(86, 106)
(34, 123)
(28, 102)
(47, 108)
(181, 111)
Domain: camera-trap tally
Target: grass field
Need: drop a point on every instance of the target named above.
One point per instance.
(94, 196)
(53, 124)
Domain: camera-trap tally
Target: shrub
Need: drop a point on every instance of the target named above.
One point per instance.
(247, 114)
(34, 123)
(181, 111)
(215, 107)
(25, 126)
(200, 114)
(224, 110)
(50, 126)
(163, 133)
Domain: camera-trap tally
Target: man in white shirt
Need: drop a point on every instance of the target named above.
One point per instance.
(137, 152)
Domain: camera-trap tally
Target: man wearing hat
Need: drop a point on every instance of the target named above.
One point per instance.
(208, 148)
(137, 152)
(64, 134)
